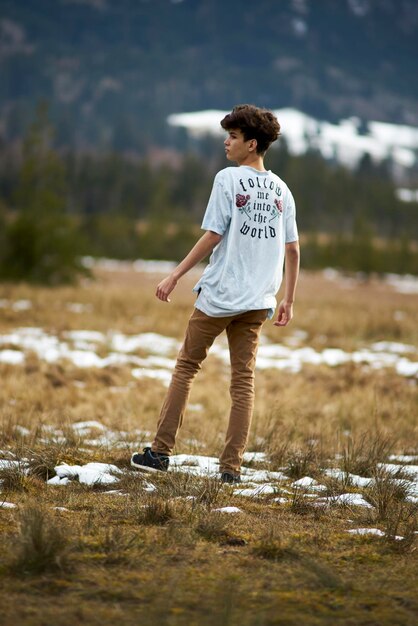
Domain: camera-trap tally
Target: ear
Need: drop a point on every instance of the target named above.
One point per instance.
(252, 145)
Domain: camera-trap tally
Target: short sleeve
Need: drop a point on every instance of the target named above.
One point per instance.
(218, 211)
(291, 233)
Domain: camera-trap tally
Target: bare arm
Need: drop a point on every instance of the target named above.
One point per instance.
(200, 250)
(292, 258)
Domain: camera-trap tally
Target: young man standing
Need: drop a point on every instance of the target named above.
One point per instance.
(250, 231)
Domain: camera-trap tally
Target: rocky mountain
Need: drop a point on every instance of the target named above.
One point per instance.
(113, 71)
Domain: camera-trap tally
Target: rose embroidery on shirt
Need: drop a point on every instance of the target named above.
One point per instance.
(279, 205)
(242, 203)
(277, 209)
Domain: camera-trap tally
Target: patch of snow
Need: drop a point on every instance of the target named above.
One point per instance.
(406, 283)
(249, 474)
(19, 305)
(409, 470)
(56, 480)
(407, 195)
(12, 357)
(372, 531)
(403, 458)
(10, 464)
(86, 335)
(308, 483)
(22, 305)
(154, 267)
(151, 342)
(163, 375)
(348, 499)
(7, 505)
(195, 407)
(195, 464)
(89, 474)
(158, 366)
(407, 368)
(261, 490)
(257, 457)
(229, 509)
(140, 265)
(83, 427)
(22, 430)
(393, 346)
(342, 141)
(353, 479)
(77, 307)
(366, 531)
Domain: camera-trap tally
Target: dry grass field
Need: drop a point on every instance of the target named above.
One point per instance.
(337, 403)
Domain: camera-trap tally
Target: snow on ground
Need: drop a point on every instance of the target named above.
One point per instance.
(401, 283)
(92, 433)
(81, 347)
(308, 482)
(406, 283)
(229, 509)
(343, 141)
(260, 483)
(347, 499)
(372, 531)
(407, 195)
(77, 307)
(17, 305)
(141, 265)
(89, 474)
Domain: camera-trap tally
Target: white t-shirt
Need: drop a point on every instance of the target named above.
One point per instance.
(255, 214)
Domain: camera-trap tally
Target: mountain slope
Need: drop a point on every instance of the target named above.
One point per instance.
(114, 71)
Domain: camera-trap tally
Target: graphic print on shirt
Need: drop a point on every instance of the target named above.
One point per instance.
(242, 204)
(261, 209)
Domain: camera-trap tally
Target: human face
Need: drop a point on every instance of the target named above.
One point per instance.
(237, 148)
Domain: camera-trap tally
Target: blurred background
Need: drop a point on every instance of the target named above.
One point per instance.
(110, 137)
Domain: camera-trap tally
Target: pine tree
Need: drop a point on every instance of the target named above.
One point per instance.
(42, 243)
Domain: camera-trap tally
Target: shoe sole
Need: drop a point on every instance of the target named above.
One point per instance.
(145, 468)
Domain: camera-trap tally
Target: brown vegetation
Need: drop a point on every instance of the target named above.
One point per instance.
(86, 554)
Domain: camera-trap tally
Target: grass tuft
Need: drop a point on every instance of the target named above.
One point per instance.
(386, 492)
(14, 479)
(117, 545)
(273, 548)
(208, 492)
(154, 512)
(304, 461)
(41, 544)
(212, 526)
(361, 454)
(402, 521)
(43, 460)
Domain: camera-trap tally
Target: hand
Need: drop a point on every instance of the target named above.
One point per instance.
(165, 287)
(285, 313)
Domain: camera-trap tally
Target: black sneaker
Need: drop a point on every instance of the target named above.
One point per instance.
(228, 477)
(150, 461)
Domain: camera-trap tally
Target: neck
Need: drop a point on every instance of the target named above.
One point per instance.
(254, 160)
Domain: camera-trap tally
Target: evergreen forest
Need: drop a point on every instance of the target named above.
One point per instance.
(56, 206)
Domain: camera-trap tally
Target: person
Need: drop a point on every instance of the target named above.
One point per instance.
(250, 231)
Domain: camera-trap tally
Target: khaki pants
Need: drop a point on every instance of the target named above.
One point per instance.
(243, 333)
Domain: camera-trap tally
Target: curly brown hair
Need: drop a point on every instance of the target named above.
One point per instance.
(254, 123)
